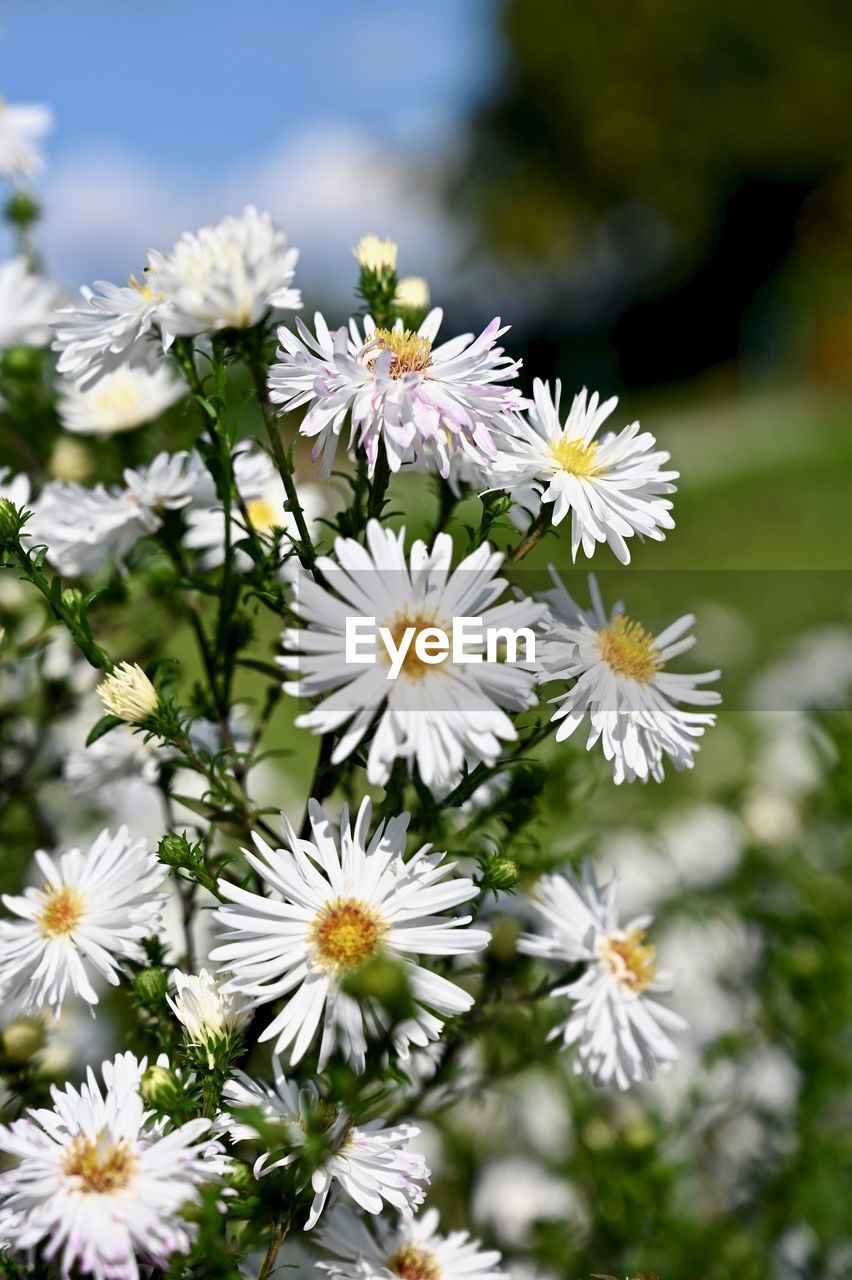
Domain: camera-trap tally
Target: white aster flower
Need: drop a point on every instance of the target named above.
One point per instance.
(621, 1031)
(368, 1162)
(227, 276)
(115, 325)
(425, 402)
(84, 529)
(92, 912)
(410, 1248)
(102, 770)
(122, 400)
(210, 1016)
(27, 304)
(22, 126)
(345, 897)
(262, 491)
(613, 487)
(436, 717)
(170, 482)
(127, 692)
(622, 685)
(98, 1184)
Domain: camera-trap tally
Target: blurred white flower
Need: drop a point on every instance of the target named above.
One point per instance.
(170, 482)
(122, 400)
(375, 254)
(98, 1184)
(438, 718)
(621, 1032)
(411, 1248)
(93, 911)
(22, 127)
(84, 529)
(613, 487)
(27, 304)
(621, 685)
(14, 488)
(412, 293)
(425, 402)
(368, 1162)
(115, 325)
(227, 276)
(511, 1194)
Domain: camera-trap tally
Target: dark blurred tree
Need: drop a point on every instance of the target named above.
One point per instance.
(657, 155)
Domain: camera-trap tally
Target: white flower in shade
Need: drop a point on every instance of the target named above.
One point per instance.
(375, 254)
(368, 1162)
(621, 1031)
(122, 400)
(93, 911)
(27, 304)
(621, 684)
(345, 897)
(84, 529)
(210, 1016)
(171, 481)
(22, 127)
(97, 1185)
(613, 487)
(439, 717)
(262, 491)
(115, 325)
(425, 402)
(410, 1248)
(227, 276)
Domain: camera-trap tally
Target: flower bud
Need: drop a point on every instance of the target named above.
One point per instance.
(160, 1086)
(175, 851)
(23, 1039)
(151, 985)
(412, 294)
(376, 255)
(498, 873)
(128, 694)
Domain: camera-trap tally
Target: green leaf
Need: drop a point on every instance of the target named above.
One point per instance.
(103, 726)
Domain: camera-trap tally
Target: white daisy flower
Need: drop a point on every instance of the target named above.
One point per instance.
(121, 401)
(410, 1248)
(210, 1016)
(84, 529)
(613, 487)
(27, 304)
(227, 276)
(92, 912)
(345, 897)
(22, 126)
(439, 717)
(425, 402)
(622, 685)
(368, 1162)
(620, 1030)
(97, 1184)
(115, 325)
(262, 490)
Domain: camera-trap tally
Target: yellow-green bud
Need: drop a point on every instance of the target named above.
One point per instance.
(160, 1086)
(23, 1039)
(500, 874)
(151, 985)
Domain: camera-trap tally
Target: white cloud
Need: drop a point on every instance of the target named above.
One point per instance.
(327, 186)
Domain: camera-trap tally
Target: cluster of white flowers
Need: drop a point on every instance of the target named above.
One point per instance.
(98, 1182)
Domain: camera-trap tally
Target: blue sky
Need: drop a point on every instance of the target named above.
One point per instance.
(328, 113)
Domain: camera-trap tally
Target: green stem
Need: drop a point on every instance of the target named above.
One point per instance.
(534, 534)
(60, 610)
(279, 1232)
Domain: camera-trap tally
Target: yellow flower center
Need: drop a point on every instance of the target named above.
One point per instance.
(630, 650)
(575, 457)
(412, 1262)
(409, 352)
(62, 911)
(631, 959)
(143, 286)
(345, 933)
(103, 1166)
(263, 516)
(412, 667)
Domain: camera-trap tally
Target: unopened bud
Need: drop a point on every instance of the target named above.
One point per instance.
(151, 985)
(23, 1039)
(499, 873)
(160, 1086)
